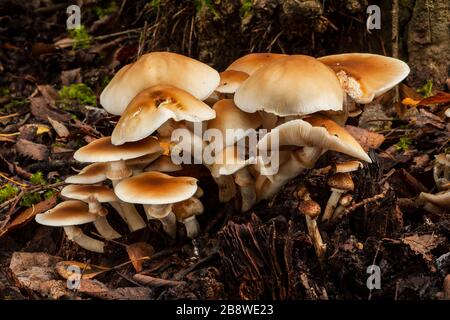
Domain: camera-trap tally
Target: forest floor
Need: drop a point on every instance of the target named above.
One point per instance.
(49, 89)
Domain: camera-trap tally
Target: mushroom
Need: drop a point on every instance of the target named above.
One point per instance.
(102, 150)
(252, 62)
(441, 171)
(230, 80)
(69, 214)
(438, 203)
(93, 173)
(138, 165)
(157, 192)
(156, 68)
(152, 107)
(344, 202)
(94, 195)
(340, 183)
(163, 164)
(311, 210)
(185, 211)
(291, 86)
(365, 76)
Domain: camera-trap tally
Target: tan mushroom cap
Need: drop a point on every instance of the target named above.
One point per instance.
(293, 85)
(67, 213)
(250, 63)
(144, 161)
(348, 166)
(156, 68)
(93, 173)
(152, 107)
(440, 199)
(315, 131)
(188, 208)
(85, 192)
(309, 208)
(366, 76)
(163, 164)
(102, 150)
(230, 80)
(228, 116)
(341, 181)
(229, 161)
(156, 188)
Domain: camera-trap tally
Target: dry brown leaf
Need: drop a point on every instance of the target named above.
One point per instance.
(35, 151)
(41, 110)
(28, 214)
(138, 252)
(440, 97)
(60, 128)
(88, 271)
(367, 139)
(423, 244)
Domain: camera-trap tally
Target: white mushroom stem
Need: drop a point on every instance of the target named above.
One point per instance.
(344, 202)
(118, 170)
(76, 235)
(104, 228)
(227, 188)
(192, 227)
(314, 233)
(247, 189)
(332, 203)
(164, 214)
(128, 213)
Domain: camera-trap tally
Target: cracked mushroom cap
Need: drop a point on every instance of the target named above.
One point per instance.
(230, 80)
(440, 199)
(163, 164)
(67, 213)
(155, 188)
(250, 63)
(315, 131)
(309, 208)
(84, 192)
(156, 68)
(102, 150)
(293, 85)
(341, 181)
(188, 208)
(366, 76)
(93, 173)
(152, 107)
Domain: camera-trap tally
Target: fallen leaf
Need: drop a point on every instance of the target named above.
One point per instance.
(49, 93)
(69, 77)
(367, 139)
(60, 128)
(42, 129)
(88, 271)
(28, 214)
(410, 102)
(35, 151)
(440, 97)
(138, 252)
(423, 244)
(41, 110)
(424, 118)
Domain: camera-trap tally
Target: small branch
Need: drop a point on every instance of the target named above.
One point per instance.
(365, 202)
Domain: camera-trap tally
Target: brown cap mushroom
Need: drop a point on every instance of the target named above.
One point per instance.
(293, 85)
(69, 214)
(311, 210)
(163, 164)
(252, 62)
(156, 68)
(185, 211)
(93, 173)
(152, 107)
(340, 183)
(366, 76)
(230, 80)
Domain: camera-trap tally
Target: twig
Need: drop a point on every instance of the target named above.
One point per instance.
(180, 275)
(365, 202)
(155, 282)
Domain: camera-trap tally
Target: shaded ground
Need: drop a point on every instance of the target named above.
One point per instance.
(265, 253)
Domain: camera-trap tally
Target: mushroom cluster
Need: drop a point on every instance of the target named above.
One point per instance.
(300, 103)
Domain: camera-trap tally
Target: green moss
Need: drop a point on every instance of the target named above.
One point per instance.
(403, 144)
(29, 199)
(246, 8)
(81, 37)
(49, 194)
(13, 105)
(7, 191)
(102, 12)
(154, 4)
(426, 89)
(199, 4)
(4, 92)
(78, 92)
(38, 178)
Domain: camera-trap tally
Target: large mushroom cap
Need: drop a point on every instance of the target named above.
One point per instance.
(315, 131)
(67, 213)
(93, 173)
(366, 76)
(85, 192)
(230, 80)
(293, 85)
(102, 150)
(155, 68)
(156, 188)
(250, 63)
(154, 106)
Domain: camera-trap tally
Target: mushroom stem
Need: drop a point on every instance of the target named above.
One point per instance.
(192, 227)
(227, 188)
(128, 213)
(118, 170)
(104, 228)
(76, 235)
(331, 204)
(247, 189)
(314, 233)
(164, 214)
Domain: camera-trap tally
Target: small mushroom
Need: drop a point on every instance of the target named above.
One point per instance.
(230, 80)
(340, 183)
(311, 210)
(93, 173)
(157, 192)
(94, 195)
(441, 171)
(69, 214)
(438, 203)
(344, 202)
(185, 211)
